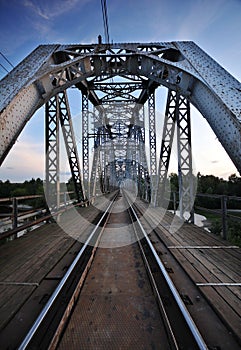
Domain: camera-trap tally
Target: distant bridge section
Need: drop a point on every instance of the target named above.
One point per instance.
(181, 66)
(118, 79)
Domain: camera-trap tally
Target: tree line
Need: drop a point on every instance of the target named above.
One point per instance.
(212, 185)
(206, 185)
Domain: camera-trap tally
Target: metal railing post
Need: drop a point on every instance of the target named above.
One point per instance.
(224, 216)
(15, 212)
(174, 202)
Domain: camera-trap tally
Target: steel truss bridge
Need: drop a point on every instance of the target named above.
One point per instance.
(116, 81)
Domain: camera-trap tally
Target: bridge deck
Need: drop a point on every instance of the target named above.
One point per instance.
(213, 264)
(32, 266)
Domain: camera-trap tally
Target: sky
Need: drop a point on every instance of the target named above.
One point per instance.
(214, 25)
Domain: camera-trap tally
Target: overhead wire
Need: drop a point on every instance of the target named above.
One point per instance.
(4, 68)
(105, 20)
(6, 59)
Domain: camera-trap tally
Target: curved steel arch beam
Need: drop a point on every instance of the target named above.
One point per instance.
(180, 66)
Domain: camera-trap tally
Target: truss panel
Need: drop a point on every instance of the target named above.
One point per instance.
(70, 145)
(85, 141)
(167, 141)
(52, 189)
(185, 175)
(152, 133)
(180, 66)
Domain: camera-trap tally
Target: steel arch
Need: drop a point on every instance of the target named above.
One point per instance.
(180, 66)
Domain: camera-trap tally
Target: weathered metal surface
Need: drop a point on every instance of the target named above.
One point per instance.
(180, 66)
(116, 308)
(206, 259)
(70, 145)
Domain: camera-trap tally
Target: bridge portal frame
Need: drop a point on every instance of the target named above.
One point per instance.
(180, 66)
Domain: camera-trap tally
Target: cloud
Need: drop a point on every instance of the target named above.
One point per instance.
(51, 9)
(200, 15)
(26, 160)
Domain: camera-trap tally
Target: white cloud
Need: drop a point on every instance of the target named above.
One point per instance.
(26, 160)
(201, 14)
(50, 9)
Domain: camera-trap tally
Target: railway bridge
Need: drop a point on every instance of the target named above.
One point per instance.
(138, 276)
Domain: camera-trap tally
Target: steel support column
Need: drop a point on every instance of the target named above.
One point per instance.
(52, 190)
(185, 175)
(70, 144)
(152, 145)
(85, 142)
(94, 169)
(166, 146)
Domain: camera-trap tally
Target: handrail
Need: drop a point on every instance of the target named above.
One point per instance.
(23, 227)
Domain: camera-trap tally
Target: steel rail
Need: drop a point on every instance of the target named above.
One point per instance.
(170, 333)
(191, 325)
(60, 286)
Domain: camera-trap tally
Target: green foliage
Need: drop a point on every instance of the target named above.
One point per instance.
(211, 185)
(32, 187)
(234, 232)
(173, 178)
(216, 227)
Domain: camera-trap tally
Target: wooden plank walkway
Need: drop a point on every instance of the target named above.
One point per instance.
(31, 267)
(213, 264)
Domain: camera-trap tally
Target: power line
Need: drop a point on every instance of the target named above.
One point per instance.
(105, 20)
(4, 68)
(7, 60)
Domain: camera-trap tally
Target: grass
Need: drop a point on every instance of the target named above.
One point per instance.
(210, 216)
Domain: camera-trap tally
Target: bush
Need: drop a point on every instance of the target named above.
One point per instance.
(234, 232)
(216, 227)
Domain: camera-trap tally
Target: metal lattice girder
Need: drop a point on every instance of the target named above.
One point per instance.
(94, 176)
(52, 189)
(122, 92)
(142, 166)
(70, 144)
(141, 123)
(94, 172)
(167, 141)
(152, 145)
(85, 140)
(179, 66)
(185, 175)
(152, 133)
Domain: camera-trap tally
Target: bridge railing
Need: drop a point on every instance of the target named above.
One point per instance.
(229, 211)
(21, 213)
(222, 211)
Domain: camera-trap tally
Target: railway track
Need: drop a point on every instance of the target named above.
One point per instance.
(110, 296)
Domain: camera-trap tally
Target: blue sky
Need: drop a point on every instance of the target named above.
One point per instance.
(24, 24)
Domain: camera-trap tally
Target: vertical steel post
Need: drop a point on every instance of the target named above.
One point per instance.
(15, 213)
(174, 202)
(52, 153)
(186, 185)
(167, 141)
(224, 216)
(152, 145)
(85, 142)
(70, 145)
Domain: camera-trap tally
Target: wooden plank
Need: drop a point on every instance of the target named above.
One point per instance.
(206, 265)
